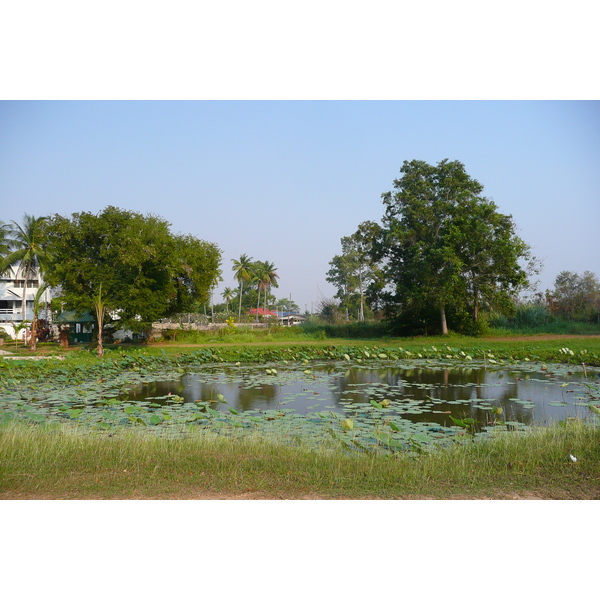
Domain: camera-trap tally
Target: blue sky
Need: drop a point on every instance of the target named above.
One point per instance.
(284, 180)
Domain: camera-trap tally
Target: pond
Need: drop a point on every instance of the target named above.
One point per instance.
(390, 406)
(531, 397)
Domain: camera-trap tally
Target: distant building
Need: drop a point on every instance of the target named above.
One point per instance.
(288, 319)
(11, 300)
(284, 318)
(80, 326)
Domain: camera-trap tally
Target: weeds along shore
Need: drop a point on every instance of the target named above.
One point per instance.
(65, 463)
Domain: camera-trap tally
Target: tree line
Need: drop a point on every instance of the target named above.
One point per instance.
(442, 255)
(128, 266)
(117, 262)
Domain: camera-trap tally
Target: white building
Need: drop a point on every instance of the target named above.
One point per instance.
(11, 300)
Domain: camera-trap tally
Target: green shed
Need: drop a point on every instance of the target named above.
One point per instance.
(81, 325)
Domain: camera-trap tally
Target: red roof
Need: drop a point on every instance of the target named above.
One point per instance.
(262, 312)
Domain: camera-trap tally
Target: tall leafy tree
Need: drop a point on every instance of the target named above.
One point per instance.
(444, 246)
(196, 271)
(130, 263)
(26, 252)
(243, 273)
(492, 257)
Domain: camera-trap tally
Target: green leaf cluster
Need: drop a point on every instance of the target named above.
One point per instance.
(132, 262)
(443, 253)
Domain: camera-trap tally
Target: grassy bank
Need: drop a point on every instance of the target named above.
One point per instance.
(63, 463)
(517, 347)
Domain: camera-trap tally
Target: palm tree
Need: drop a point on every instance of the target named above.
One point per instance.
(242, 270)
(101, 308)
(261, 279)
(27, 251)
(270, 278)
(227, 295)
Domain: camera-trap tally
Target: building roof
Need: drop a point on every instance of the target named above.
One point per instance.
(9, 295)
(71, 316)
(262, 312)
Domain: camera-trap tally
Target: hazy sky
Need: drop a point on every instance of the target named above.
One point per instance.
(284, 180)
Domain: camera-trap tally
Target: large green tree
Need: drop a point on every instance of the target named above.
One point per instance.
(196, 272)
(444, 246)
(128, 264)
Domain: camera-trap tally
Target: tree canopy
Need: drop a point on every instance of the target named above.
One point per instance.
(443, 250)
(575, 297)
(353, 272)
(131, 262)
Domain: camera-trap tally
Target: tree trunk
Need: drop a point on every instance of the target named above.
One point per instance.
(100, 344)
(443, 320)
(240, 314)
(266, 292)
(64, 336)
(33, 336)
(100, 311)
(100, 320)
(24, 303)
(361, 314)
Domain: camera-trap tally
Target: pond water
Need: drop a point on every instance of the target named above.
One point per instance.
(419, 394)
(384, 405)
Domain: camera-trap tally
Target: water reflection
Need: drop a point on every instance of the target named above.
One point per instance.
(417, 394)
